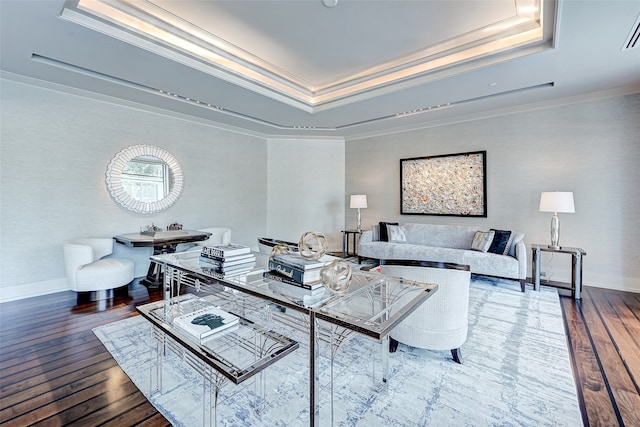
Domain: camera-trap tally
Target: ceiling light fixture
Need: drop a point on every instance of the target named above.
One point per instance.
(330, 3)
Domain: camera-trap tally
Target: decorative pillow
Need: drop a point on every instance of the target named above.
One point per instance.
(396, 234)
(501, 242)
(516, 237)
(384, 235)
(482, 240)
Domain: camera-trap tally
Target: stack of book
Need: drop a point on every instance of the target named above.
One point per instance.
(205, 322)
(227, 260)
(295, 270)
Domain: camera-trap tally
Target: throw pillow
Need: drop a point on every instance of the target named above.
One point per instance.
(482, 240)
(384, 235)
(516, 238)
(501, 242)
(396, 234)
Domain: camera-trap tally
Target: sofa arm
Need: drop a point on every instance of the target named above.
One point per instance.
(521, 256)
(366, 237)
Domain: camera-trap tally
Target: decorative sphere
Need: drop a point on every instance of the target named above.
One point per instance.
(336, 276)
(313, 245)
(280, 249)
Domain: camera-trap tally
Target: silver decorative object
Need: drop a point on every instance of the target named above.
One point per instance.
(336, 276)
(280, 249)
(312, 245)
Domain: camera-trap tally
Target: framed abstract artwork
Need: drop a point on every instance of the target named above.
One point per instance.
(450, 185)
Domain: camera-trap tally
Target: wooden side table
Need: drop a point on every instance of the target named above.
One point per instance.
(576, 270)
(354, 234)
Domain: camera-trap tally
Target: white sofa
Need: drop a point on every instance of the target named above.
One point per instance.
(447, 243)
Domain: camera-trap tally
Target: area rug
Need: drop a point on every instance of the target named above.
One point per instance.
(516, 372)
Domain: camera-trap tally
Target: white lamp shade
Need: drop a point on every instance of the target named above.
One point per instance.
(557, 201)
(358, 201)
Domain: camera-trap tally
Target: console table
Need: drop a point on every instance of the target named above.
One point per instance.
(576, 270)
(373, 305)
(162, 242)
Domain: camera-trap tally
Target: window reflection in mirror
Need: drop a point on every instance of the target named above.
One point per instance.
(147, 179)
(144, 179)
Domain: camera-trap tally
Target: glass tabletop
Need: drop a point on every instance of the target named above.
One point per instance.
(238, 352)
(372, 305)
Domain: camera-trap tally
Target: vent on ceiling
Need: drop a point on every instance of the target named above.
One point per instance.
(634, 35)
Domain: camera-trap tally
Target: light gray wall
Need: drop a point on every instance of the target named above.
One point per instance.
(591, 148)
(55, 148)
(306, 187)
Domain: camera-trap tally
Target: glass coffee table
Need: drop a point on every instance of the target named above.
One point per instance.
(372, 306)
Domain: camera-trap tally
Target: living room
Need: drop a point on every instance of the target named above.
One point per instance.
(56, 147)
(57, 141)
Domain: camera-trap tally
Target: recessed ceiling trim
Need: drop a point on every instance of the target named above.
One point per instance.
(248, 78)
(435, 108)
(149, 27)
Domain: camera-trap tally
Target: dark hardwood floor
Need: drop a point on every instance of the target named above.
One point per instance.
(54, 371)
(603, 330)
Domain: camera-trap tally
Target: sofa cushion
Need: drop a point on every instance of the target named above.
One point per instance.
(396, 234)
(441, 235)
(384, 234)
(501, 242)
(482, 240)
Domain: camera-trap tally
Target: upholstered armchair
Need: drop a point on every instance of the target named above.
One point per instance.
(90, 270)
(219, 236)
(442, 321)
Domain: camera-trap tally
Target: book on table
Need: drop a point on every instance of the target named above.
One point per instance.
(296, 260)
(225, 251)
(307, 296)
(226, 264)
(229, 259)
(205, 321)
(216, 273)
(295, 274)
(274, 275)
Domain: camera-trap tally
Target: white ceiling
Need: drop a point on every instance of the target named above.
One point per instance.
(298, 68)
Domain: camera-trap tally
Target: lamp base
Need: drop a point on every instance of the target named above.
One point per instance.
(556, 248)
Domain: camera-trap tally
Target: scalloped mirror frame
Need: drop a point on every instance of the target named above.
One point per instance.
(117, 191)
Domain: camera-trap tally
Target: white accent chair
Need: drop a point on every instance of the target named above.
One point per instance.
(219, 236)
(89, 271)
(442, 321)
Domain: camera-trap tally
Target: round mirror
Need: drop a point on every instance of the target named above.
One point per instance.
(144, 179)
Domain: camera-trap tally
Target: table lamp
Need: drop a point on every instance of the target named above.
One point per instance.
(556, 201)
(358, 201)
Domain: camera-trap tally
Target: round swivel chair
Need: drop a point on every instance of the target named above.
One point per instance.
(89, 271)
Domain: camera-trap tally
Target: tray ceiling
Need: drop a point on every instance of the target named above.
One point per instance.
(300, 68)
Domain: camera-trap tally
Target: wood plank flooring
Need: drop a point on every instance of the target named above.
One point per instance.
(603, 332)
(54, 371)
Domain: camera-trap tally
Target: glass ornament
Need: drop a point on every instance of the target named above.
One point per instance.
(336, 276)
(313, 245)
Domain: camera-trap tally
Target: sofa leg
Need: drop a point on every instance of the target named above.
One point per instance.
(393, 345)
(457, 355)
(523, 283)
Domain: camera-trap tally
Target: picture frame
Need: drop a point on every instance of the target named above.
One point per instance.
(444, 185)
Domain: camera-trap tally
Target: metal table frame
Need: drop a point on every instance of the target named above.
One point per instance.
(395, 298)
(576, 267)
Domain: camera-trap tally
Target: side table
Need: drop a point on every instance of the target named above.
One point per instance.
(345, 242)
(576, 270)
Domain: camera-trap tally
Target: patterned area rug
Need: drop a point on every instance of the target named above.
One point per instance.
(515, 372)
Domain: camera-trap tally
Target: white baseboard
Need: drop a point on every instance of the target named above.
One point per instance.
(28, 290)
